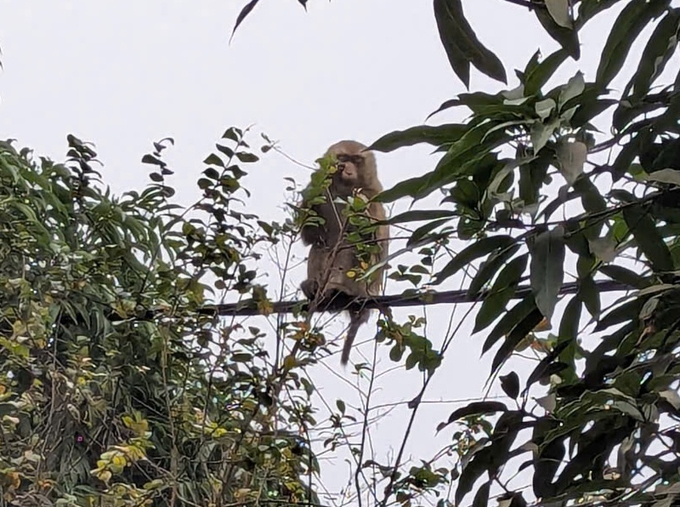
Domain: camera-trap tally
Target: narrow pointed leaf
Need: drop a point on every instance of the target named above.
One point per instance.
(418, 215)
(420, 234)
(559, 11)
(632, 19)
(547, 269)
(501, 292)
(510, 320)
(660, 47)
(436, 136)
(474, 408)
(243, 14)
(539, 76)
(589, 8)
(489, 268)
(461, 44)
(648, 239)
(478, 249)
(566, 37)
(624, 275)
(512, 340)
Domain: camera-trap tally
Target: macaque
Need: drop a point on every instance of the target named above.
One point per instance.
(332, 255)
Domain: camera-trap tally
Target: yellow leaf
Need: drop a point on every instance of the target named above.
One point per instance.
(544, 325)
(289, 362)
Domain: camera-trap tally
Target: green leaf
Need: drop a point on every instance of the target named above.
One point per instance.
(482, 247)
(630, 22)
(627, 154)
(591, 199)
(589, 8)
(233, 133)
(461, 44)
(574, 88)
(510, 384)
(421, 233)
(589, 294)
(544, 108)
(588, 106)
(213, 159)
(568, 331)
(539, 76)
(571, 158)
(246, 157)
(670, 176)
(482, 496)
(544, 364)
(474, 408)
(660, 47)
(480, 463)
(559, 11)
(542, 132)
(447, 104)
(412, 187)
(532, 175)
(566, 37)
(513, 339)
(624, 313)
(624, 275)
(501, 292)
(436, 136)
(464, 157)
(150, 159)
(489, 268)
(510, 320)
(547, 269)
(603, 248)
(417, 215)
(648, 239)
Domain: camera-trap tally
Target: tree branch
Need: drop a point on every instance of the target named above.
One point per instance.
(250, 307)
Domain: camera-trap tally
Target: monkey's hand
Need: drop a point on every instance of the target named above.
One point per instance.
(313, 234)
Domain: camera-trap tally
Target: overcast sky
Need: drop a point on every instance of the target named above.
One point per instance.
(124, 74)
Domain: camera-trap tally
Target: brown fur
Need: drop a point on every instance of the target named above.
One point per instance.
(329, 255)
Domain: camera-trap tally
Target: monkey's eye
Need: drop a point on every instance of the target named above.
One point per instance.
(357, 160)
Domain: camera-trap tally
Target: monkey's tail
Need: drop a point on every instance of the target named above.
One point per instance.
(357, 319)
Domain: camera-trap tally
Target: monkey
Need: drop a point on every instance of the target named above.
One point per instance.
(331, 255)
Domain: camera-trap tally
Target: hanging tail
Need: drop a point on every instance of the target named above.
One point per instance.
(357, 319)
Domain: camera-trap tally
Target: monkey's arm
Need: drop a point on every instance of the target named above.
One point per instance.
(312, 231)
(382, 234)
(324, 226)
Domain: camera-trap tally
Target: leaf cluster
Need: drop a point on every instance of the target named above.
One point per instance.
(115, 389)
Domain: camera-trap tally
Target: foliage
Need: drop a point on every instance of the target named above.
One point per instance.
(119, 387)
(116, 386)
(607, 428)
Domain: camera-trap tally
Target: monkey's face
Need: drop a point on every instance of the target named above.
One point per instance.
(355, 168)
(349, 168)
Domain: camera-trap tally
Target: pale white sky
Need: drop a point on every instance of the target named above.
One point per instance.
(124, 74)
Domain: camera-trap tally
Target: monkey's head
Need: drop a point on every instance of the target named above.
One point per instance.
(356, 168)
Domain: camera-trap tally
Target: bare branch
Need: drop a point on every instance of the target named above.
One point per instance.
(245, 308)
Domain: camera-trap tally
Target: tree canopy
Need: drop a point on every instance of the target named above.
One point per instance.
(121, 382)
